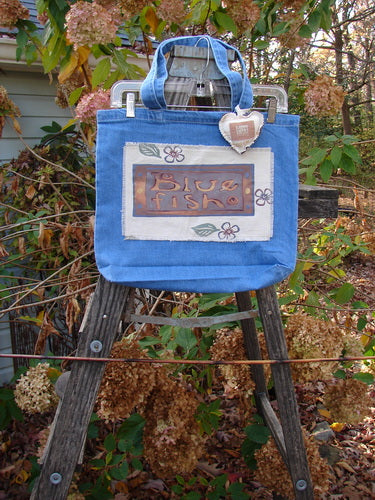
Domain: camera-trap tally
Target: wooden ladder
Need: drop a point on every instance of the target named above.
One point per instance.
(100, 326)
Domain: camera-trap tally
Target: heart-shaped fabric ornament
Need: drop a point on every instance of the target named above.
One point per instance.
(241, 128)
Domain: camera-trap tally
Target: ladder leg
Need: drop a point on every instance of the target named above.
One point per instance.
(103, 318)
(286, 398)
(251, 342)
(257, 371)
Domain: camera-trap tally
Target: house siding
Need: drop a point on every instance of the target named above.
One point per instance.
(32, 91)
(35, 97)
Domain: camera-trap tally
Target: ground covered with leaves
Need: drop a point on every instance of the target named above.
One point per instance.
(350, 452)
(115, 465)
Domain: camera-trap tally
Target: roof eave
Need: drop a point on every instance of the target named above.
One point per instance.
(8, 47)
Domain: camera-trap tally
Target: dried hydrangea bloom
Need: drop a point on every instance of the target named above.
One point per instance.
(348, 401)
(129, 8)
(229, 346)
(272, 472)
(63, 90)
(43, 439)
(293, 4)
(352, 346)
(171, 438)
(34, 392)
(172, 11)
(7, 108)
(10, 12)
(291, 39)
(43, 18)
(107, 4)
(125, 385)
(177, 456)
(89, 104)
(245, 13)
(370, 367)
(89, 24)
(323, 97)
(310, 337)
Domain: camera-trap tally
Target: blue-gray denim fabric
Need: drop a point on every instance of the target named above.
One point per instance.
(192, 266)
(152, 90)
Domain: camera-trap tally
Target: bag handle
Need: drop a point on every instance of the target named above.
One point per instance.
(152, 90)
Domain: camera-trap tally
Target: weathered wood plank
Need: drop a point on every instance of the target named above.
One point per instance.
(286, 399)
(315, 192)
(251, 344)
(273, 424)
(257, 371)
(317, 209)
(317, 202)
(80, 394)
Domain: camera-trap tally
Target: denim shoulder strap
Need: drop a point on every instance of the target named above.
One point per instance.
(152, 90)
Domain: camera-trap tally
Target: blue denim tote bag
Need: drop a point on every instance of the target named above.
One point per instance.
(178, 208)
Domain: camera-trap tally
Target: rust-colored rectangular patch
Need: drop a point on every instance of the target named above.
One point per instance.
(193, 190)
(242, 130)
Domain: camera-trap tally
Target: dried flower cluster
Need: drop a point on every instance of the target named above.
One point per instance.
(348, 401)
(291, 39)
(310, 337)
(43, 18)
(63, 90)
(10, 12)
(131, 7)
(229, 345)
(172, 440)
(90, 23)
(43, 439)
(370, 367)
(352, 346)
(125, 385)
(293, 4)
(89, 104)
(172, 11)
(272, 472)
(7, 107)
(245, 13)
(34, 392)
(323, 97)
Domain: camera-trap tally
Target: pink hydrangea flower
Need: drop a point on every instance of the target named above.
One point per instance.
(90, 23)
(89, 104)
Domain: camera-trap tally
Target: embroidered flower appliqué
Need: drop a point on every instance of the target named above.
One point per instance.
(263, 196)
(173, 154)
(228, 232)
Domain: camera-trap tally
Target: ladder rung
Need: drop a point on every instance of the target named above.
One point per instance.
(202, 321)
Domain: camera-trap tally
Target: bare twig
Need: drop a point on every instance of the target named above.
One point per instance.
(42, 283)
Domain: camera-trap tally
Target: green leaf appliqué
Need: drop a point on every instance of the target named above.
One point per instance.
(149, 150)
(205, 229)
